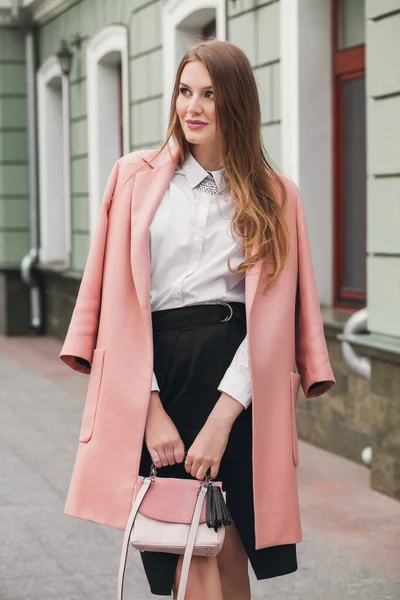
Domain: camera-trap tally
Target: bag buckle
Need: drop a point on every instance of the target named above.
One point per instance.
(153, 473)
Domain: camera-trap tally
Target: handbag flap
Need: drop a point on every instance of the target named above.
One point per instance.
(171, 500)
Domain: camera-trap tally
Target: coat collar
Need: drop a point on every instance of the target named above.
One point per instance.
(149, 187)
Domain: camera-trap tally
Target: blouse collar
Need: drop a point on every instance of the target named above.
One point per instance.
(195, 173)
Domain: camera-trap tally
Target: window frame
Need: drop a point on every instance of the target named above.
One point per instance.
(46, 73)
(113, 38)
(347, 64)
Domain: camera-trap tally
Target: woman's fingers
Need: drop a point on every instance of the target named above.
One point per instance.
(191, 465)
(214, 470)
(196, 465)
(201, 472)
(188, 464)
(155, 458)
(163, 458)
(200, 469)
(179, 452)
(169, 453)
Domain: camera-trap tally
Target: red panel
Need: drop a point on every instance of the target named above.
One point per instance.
(347, 61)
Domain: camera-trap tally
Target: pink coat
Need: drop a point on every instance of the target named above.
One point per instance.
(111, 328)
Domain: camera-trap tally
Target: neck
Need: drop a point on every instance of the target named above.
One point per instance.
(207, 156)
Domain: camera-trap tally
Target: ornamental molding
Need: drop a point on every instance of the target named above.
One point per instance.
(37, 12)
(42, 11)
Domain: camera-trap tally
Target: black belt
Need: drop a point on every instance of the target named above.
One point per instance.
(197, 314)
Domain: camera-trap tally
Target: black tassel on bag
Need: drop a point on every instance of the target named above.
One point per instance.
(217, 512)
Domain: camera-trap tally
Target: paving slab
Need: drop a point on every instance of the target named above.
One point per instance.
(351, 547)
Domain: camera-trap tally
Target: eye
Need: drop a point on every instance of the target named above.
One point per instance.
(184, 91)
(209, 94)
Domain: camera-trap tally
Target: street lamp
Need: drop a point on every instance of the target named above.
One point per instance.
(64, 56)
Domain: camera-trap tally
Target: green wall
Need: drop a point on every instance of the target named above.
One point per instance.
(254, 26)
(383, 129)
(14, 207)
(88, 17)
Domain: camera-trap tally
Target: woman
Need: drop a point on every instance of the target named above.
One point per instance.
(197, 301)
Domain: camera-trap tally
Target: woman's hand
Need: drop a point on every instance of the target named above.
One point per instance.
(161, 436)
(208, 448)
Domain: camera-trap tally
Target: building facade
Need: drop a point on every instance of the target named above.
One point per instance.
(329, 83)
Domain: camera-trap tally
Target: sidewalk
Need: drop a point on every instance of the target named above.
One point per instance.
(351, 547)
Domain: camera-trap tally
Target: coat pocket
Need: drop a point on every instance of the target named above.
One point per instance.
(92, 396)
(295, 380)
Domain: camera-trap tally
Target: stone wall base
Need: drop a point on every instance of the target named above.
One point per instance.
(358, 413)
(60, 291)
(14, 304)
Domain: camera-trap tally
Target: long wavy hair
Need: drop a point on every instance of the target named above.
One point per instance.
(256, 189)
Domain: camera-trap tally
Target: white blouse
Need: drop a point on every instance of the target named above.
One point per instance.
(190, 245)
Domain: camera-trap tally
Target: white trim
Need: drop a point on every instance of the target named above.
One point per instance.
(174, 12)
(110, 39)
(306, 92)
(50, 230)
(67, 167)
(289, 36)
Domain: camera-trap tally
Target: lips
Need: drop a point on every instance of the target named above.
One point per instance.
(196, 124)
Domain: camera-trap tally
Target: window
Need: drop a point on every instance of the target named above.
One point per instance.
(107, 109)
(349, 152)
(186, 22)
(54, 167)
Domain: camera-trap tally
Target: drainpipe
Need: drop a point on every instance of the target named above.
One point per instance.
(29, 261)
(357, 363)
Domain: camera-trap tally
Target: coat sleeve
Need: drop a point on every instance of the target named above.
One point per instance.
(312, 358)
(77, 351)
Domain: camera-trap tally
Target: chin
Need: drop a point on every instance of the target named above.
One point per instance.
(192, 138)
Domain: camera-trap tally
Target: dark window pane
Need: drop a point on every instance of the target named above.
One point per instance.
(209, 30)
(351, 21)
(354, 184)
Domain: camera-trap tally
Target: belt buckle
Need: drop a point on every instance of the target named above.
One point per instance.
(229, 317)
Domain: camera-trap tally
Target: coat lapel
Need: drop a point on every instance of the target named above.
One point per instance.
(148, 190)
(252, 278)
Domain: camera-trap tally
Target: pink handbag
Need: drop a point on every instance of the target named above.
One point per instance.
(170, 515)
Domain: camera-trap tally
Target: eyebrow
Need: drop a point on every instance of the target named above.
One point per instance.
(207, 87)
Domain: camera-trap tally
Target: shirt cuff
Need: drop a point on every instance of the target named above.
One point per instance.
(236, 385)
(154, 384)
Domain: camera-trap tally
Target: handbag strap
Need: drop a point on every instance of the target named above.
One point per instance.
(187, 557)
(125, 544)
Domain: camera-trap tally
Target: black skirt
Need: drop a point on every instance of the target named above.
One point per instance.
(193, 347)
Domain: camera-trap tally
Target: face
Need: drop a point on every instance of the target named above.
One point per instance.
(195, 105)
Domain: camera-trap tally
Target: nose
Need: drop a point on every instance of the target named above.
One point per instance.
(194, 106)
